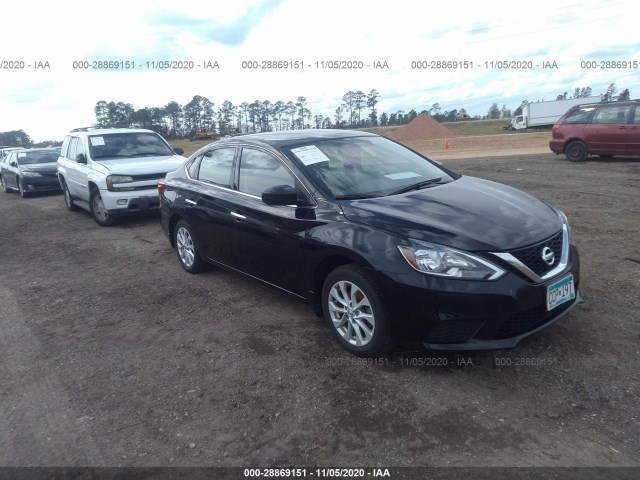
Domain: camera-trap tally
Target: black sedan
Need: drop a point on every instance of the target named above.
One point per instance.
(384, 242)
(30, 170)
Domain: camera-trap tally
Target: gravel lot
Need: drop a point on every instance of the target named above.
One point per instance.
(112, 355)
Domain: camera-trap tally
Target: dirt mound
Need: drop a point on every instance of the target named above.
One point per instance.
(423, 127)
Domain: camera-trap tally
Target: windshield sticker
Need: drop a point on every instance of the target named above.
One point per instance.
(22, 154)
(402, 175)
(310, 155)
(96, 141)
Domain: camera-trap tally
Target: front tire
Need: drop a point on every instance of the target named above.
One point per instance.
(99, 212)
(576, 151)
(355, 312)
(187, 248)
(5, 187)
(21, 189)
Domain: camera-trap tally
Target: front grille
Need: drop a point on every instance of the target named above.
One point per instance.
(131, 189)
(532, 256)
(150, 176)
(522, 322)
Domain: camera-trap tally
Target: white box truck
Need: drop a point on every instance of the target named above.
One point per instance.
(541, 114)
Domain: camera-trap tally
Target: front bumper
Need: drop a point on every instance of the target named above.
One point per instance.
(41, 184)
(130, 201)
(447, 314)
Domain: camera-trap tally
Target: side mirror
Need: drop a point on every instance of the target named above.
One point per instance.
(179, 151)
(80, 158)
(280, 195)
(13, 163)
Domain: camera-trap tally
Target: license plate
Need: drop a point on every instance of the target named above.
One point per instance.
(560, 292)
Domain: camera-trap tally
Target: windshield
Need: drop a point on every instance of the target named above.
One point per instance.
(127, 145)
(361, 167)
(30, 158)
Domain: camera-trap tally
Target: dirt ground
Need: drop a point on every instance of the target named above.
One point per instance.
(112, 355)
(507, 144)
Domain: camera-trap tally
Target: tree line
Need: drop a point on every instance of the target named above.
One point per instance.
(356, 110)
(610, 95)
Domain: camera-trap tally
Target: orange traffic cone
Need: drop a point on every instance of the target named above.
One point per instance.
(446, 144)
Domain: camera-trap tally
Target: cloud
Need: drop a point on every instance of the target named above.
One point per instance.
(480, 28)
(28, 94)
(209, 30)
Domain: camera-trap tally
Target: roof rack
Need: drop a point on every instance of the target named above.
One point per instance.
(104, 127)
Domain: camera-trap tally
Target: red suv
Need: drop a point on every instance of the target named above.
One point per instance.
(604, 129)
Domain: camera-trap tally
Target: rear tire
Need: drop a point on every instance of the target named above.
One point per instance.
(99, 212)
(576, 151)
(187, 249)
(68, 201)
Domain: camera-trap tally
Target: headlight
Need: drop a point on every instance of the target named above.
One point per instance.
(442, 261)
(565, 220)
(28, 173)
(114, 180)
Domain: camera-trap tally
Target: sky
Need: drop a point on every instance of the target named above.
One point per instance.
(497, 37)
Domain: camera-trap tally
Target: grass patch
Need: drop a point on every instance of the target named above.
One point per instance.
(460, 129)
(478, 127)
(384, 131)
(188, 146)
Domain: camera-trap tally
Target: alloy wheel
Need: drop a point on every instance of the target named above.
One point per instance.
(99, 210)
(186, 249)
(351, 313)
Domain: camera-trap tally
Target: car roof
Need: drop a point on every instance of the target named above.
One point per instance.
(600, 104)
(40, 149)
(293, 137)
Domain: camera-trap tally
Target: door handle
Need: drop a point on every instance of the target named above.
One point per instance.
(237, 216)
(190, 202)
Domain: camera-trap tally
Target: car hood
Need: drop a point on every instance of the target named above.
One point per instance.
(40, 167)
(468, 213)
(141, 165)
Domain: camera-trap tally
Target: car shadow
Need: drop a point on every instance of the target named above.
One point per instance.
(613, 159)
(134, 220)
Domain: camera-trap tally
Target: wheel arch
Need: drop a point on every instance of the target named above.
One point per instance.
(574, 139)
(173, 220)
(322, 271)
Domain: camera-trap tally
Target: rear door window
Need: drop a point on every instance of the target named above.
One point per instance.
(580, 115)
(612, 114)
(65, 146)
(216, 167)
(73, 145)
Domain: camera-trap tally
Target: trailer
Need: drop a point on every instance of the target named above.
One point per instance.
(543, 114)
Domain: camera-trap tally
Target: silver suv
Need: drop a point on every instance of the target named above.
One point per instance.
(114, 171)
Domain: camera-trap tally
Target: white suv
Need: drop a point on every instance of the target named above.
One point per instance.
(114, 171)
